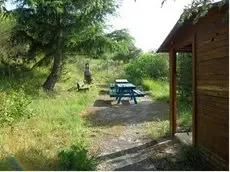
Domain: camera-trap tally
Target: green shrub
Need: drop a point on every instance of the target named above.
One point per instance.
(76, 158)
(148, 65)
(184, 76)
(13, 106)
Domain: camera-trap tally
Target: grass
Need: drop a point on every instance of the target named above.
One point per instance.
(159, 89)
(184, 112)
(56, 123)
(158, 129)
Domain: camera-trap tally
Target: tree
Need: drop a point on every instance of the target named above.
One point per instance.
(196, 9)
(132, 53)
(107, 43)
(59, 27)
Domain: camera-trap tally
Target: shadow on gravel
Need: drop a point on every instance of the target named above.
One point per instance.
(102, 103)
(127, 151)
(104, 92)
(113, 114)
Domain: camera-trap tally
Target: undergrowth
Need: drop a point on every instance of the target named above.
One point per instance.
(56, 123)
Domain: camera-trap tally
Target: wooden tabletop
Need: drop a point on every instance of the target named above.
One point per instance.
(125, 85)
(121, 81)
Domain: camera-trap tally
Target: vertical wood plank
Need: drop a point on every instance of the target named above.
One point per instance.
(172, 63)
(194, 123)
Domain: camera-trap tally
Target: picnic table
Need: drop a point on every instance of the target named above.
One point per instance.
(125, 89)
(121, 81)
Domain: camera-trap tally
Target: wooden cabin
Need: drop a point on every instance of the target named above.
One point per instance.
(208, 41)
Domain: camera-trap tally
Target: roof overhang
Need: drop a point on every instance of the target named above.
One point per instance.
(178, 27)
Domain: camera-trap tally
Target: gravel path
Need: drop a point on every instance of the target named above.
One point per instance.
(120, 135)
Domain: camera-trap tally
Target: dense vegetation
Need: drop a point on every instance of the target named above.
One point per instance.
(53, 134)
(43, 48)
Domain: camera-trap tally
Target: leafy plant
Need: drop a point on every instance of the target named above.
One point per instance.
(184, 76)
(13, 107)
(148, 65)
(76, 158)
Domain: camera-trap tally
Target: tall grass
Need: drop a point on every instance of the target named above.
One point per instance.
(159, 89)
(56, 123)
(184, 112)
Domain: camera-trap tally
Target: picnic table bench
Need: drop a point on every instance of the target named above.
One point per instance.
(82, 86)
(120, 90)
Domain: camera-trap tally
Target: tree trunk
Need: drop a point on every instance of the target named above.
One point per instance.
(53, 77)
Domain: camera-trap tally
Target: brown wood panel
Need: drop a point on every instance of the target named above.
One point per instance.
(172, 66)
(194, 102)
(212, 114)
(218, 66)
(220, 163)
(203, 91)
(210, 44)
(213, 136)
(222, 83)
(215, 103)
(214, 99)
(205, 35)
(217, 52)
(213, 79)
(215, 110)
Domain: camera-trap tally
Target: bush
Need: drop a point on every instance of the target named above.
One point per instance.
(76, 158)
(148, 65)
(13, 106)
(184, 76)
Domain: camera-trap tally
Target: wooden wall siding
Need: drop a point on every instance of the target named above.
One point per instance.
(212, 88)
(211, 80)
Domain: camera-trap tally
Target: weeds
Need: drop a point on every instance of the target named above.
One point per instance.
(76, 158)
(184, 112)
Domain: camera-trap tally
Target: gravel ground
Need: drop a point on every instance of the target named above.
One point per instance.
(120, 139)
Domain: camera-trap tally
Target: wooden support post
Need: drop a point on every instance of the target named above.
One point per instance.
(172, 63)
(194, 91)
